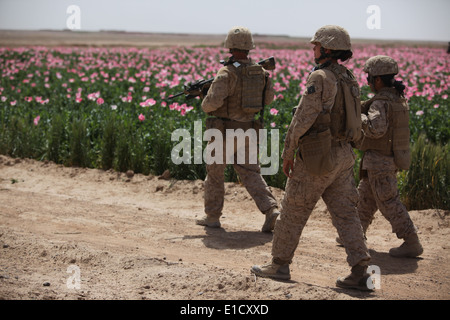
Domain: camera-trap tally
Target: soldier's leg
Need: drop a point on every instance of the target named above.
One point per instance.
(341, 198)
(214, 185)
(247, 166)
(384, 186)
(301, 195)
(214, 195)
(367, 206)
(256, 186)
(258, 189)
(385, 190)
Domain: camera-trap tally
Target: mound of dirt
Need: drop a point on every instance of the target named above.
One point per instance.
(75, 233)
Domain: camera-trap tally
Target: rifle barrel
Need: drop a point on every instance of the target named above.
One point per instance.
(176, 95)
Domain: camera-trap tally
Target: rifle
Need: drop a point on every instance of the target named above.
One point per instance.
(194, 89)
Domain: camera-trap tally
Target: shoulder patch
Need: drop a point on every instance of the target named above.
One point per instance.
(311, 89)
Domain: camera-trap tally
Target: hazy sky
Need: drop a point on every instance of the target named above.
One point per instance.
(396, 19)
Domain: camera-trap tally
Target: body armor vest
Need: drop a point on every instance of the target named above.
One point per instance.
(396, 140)
(344, 118)
(247, 97)
(335, 124)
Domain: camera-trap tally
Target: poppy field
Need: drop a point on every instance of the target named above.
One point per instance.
(108, 108)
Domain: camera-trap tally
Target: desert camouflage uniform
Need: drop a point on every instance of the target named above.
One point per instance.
(221, 102)
(378, 185)
(303, 190)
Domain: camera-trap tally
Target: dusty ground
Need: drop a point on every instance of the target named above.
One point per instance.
(135, 238)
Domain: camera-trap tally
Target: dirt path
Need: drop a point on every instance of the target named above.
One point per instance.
(130, 241)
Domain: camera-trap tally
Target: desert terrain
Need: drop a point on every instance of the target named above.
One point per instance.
(135, 237)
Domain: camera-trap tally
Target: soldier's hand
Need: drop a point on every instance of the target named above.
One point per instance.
(288, 167)
(204, 90)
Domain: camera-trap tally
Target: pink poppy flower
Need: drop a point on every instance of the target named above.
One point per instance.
(36, 120)
(148, 103)
(273, 111)
(141, 117)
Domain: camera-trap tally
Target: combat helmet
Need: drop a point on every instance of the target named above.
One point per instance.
(239, 38)
(380, 65)
(332, 37)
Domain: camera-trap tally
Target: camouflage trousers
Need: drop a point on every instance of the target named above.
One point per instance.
(338, 190)
(378, 190)
(249, 174)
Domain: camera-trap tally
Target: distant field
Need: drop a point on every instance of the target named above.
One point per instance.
(117, 39)
(16, 38)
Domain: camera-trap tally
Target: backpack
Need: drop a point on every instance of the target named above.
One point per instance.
(346, 124)
(341, 123)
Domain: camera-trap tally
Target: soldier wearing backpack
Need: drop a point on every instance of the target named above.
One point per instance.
(318, 160)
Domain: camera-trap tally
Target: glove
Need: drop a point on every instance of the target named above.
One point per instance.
(204, 90)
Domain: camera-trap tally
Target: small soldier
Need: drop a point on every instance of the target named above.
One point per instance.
(385, 119)
(240, 90)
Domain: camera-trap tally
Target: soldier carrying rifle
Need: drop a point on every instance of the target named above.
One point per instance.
(239, 92)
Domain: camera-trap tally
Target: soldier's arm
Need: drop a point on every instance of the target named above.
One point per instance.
(270, 91)
(375, 123)
(219, 91)
(307, 112)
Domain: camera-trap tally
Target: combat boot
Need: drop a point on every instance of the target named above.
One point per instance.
(357, 279)
(208, 222)
(273, 271)
(411, 248)
(271, 219)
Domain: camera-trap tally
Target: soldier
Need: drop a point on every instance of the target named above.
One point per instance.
(332, 180)
(386, 144)
(240, 90)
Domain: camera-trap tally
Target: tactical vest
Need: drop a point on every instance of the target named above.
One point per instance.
(341, 122)
(396, 140)
(344, 118)
(247, 97)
